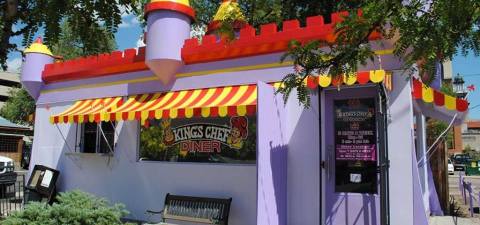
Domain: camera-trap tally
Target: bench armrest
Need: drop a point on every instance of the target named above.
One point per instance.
(153, 212)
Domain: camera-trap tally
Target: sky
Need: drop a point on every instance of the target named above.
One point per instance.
(129, 33)
(469, 68)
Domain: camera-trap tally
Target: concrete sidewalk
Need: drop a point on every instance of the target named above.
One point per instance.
(448, 220)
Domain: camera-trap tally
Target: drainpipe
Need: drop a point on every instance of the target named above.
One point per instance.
(421, 142)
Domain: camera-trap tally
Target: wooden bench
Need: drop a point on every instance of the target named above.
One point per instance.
(194, 209)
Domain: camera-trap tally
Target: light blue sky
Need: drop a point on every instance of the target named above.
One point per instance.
(130, 31)
(469, 68)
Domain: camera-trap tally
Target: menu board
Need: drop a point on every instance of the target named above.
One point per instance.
(355, 130)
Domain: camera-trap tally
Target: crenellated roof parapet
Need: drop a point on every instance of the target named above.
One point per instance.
(271, 39)
(95, 66)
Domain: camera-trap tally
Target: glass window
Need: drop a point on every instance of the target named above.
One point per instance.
(355, 146)
(212, 140)
(97, 137)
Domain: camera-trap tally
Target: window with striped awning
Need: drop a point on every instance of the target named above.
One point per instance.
(90, 110)
(209, 102)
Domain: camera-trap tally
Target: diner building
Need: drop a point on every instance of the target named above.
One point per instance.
(202, 118)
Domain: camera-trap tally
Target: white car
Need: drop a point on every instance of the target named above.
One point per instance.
(6, 164)
(451, 168)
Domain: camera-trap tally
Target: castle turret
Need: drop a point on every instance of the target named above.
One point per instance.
(36, 57)
(168, 26)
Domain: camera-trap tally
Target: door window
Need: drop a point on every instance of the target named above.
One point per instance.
(355, 146)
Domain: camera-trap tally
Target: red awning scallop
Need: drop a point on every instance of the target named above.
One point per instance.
(430, 95)
(89, 110)
(438, 105)
(361, 77)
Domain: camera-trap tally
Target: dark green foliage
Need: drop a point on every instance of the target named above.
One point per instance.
(70, 44)
(74, 208)
(422, 34)
(90, 21)
(18, 107)
(20, 104)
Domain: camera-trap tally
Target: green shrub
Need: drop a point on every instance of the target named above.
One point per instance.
(72, 208)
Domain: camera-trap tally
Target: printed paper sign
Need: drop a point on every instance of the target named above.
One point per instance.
(355, 130)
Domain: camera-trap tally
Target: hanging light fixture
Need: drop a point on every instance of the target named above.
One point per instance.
(459, 86)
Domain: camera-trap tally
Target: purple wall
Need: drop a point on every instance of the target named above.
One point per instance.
(419, 214)
(272, 158)
(303, 132)
(400, 148)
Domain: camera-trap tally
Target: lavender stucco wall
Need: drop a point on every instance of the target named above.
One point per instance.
(272, 158)
(303, 132)
(400, 147)
(139, 185)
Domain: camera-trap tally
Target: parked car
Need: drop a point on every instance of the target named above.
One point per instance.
(6, 165)
(460, 161)
(8, 176)
(450, 168)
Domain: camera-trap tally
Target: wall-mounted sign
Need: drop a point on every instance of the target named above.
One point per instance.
(355, 129)
(219, 140)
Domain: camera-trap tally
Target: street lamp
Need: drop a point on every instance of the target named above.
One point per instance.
(459, 86)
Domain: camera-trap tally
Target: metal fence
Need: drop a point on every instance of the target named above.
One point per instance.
(11, 193)
(467, 188)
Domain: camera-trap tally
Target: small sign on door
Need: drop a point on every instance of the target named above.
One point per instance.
(355, 178)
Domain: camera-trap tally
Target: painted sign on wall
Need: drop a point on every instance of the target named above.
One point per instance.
(215, 140)
(355, 129)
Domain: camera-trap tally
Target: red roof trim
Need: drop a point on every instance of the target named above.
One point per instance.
(96, 66)
(270, 40)
(170, 6)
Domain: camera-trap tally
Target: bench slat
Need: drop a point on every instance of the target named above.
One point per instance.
(196, 209)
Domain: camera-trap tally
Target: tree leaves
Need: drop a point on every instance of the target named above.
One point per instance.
(69, 45)
(91, 20)
(18, 107)
(423, 33)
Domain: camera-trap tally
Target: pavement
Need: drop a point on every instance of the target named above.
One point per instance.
(465, 219)
(448, 220)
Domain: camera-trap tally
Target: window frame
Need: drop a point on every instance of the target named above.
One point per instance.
(99, 135)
